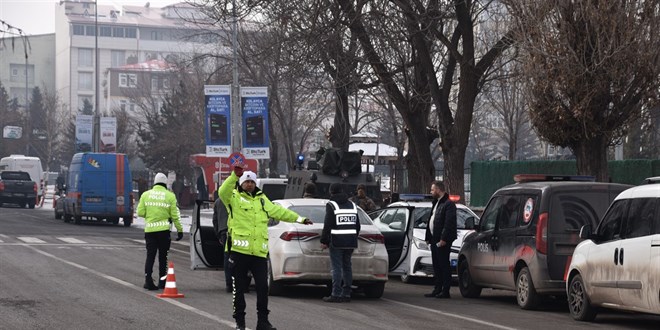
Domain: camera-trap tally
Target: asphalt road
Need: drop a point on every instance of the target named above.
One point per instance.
(56, 275)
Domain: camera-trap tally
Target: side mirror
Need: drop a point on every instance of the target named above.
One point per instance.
(396, 225)
(469, 223)
(585, 232)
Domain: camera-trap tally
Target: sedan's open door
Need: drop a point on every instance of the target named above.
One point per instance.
(394, 224)
(206, 253)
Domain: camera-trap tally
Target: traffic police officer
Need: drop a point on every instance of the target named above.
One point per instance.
(158, 206)
(249, 210)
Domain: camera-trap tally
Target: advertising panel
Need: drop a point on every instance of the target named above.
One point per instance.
(254, 111)
(108, 134)
(84, 124)
(218, 120)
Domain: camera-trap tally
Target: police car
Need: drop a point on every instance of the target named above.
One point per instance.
(403, 224)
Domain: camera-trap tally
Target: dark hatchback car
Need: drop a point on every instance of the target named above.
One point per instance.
(527, 234)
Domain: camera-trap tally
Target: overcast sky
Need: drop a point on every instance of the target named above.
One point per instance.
(38, 16)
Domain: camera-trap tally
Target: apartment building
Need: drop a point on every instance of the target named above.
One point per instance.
(125, 39)
(40, 65)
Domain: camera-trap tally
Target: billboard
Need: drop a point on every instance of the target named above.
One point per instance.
(84, 125)
(217, 99)
(12, 132)
(108, 129)
(254, 114)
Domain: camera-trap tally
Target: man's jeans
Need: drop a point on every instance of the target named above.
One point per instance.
(342, 272)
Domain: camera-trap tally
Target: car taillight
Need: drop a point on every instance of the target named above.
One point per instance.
(297, 235)
(2, 186)
(542, 234)
(373, 238)
(34, 187)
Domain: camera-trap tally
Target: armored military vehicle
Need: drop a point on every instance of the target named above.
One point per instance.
(333, 166)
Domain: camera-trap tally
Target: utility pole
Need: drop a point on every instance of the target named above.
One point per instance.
(95, 131)
(236, 142)
(28, 127)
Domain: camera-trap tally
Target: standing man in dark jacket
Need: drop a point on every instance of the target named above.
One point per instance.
(340, 232)
(440, 233)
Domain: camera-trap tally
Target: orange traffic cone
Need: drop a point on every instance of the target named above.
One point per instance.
(170, 286)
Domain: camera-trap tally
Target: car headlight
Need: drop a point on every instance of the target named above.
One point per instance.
(420, 244)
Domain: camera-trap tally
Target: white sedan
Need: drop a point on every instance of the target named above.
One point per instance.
(295, 255)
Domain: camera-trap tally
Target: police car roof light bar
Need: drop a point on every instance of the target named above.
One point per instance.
(520, 178)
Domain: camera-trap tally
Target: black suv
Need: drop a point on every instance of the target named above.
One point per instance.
(527, 234)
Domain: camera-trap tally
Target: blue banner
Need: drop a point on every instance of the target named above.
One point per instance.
(218, 120)
(254, 106)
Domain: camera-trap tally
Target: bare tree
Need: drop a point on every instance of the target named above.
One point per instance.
(592, 65)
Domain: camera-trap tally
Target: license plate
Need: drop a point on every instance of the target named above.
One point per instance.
(19, 195)
(454, 262)
(93, 199)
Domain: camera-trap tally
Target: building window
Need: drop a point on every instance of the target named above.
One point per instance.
(85, 57)
(14, 72)
(106, 31)
(166, 83)
(127, 80)
(156, 35)
(154, 83)
(131, 33)
(125, 105)
(118, 32)
(90, 30)
(18, 73)
(118, 58)
(85, 81)
(78, 30)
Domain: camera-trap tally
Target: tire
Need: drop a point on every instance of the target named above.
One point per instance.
(23, 205)
(128, 221)
(465, 284)
(58, 216)
(77, 219)
(67, 217)
(525, 292)
(374, 290)
(406, 278)
(113, 220)
(31, 204)
(578, 301)
(274, 288)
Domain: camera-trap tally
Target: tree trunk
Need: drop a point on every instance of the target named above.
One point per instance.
(421, 171)
(274, 151)
(341, 129)
(591, 157)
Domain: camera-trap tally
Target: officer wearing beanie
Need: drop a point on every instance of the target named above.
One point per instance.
(341, 228)
(249, 210)
(158, 206)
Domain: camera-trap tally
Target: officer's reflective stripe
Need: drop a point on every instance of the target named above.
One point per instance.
(160, 204)
(343, 231)
(157, 224)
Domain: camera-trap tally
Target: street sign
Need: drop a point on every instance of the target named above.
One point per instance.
(12, 132)
(236, 158)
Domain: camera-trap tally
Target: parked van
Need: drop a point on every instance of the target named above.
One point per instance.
(99, 187)
(31, 165)
(527, 234)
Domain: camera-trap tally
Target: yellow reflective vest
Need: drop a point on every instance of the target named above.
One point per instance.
(157, 206)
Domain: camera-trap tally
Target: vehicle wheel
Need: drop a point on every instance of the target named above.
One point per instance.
(465, 284)
(31, 204)
(274, 288)
(407, 278)
(23, 204)
(67, 217)
(113, 220)
(127, 221)
(77, 219)
(525, 291)
(58, 216)
(374, 290)
(578, 301)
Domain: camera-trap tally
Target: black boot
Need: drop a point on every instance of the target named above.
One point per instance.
(149, 284)
(161, 284)
(240, 325)
(265, 325)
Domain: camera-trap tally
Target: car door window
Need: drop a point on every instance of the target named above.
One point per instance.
(392, 220)
(491, 213)
(609, 229)
(642, 215)
(508, 213)
(421, 217)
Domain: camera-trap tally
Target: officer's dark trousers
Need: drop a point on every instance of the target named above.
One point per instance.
(441, 268)
(157, 242)
(239, 265)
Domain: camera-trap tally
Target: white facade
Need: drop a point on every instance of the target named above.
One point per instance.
(126, 35)
(40, 64)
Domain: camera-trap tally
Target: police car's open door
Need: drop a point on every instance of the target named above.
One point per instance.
(394, 224)
(206, 253)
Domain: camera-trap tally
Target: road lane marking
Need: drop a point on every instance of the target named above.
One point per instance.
(71, 240)
(458, 316)
(31, 240)
(229, 323)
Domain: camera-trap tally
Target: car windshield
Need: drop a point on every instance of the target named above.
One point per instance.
(317, 213)
(421, 216)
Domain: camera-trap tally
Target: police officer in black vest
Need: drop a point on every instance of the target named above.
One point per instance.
(340, 234)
